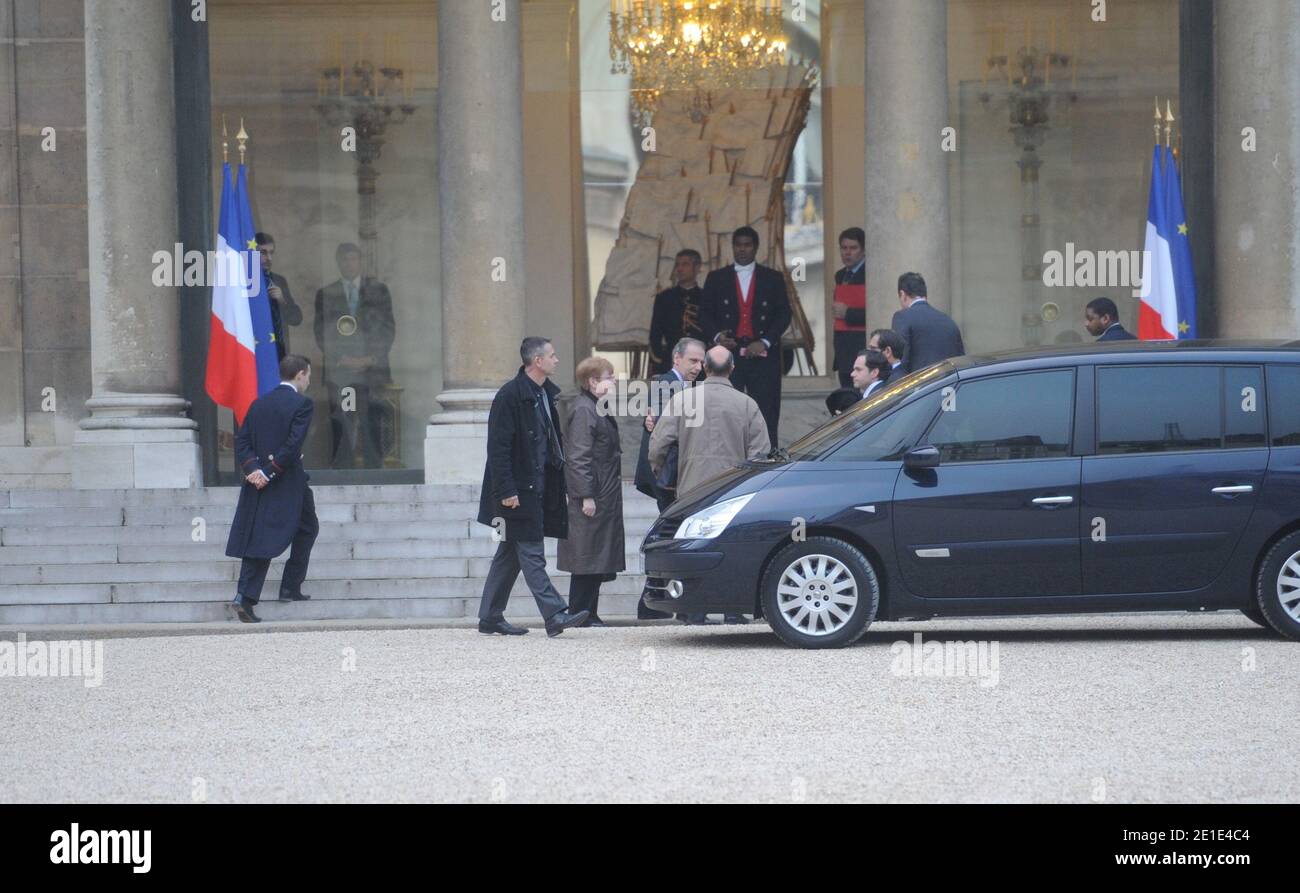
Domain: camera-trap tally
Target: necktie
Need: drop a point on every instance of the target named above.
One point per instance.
(352, 299)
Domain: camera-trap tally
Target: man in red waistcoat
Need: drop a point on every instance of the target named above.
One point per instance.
(850, 305)
(745, 307)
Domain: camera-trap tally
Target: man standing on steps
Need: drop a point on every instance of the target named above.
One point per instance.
(276, 507)
(524, 497)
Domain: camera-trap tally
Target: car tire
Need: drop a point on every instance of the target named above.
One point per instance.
(840, 593)
(1279, 577)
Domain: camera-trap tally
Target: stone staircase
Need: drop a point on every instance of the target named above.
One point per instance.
(137, 556)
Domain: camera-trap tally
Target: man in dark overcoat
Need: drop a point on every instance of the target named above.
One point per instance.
(276, 509)
(523, 498)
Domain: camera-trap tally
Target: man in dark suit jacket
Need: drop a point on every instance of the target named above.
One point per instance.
(276, 508)
(284, 312)
(1101, 319)
(929, 335)
(676, 312)
(688, 361)
(524, 494)
(355, 330)
(746, 309)
(850, 305)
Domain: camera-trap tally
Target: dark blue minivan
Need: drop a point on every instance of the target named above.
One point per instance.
(1127, 476)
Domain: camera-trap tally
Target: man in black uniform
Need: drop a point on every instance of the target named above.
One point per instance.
(747, 310)
(276, 507)
(284, 312)
(676, 311)
(850, 305)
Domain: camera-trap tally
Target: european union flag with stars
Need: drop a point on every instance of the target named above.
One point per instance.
(259, 303)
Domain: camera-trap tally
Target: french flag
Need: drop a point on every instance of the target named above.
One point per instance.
(1158, 317)
(233, 378)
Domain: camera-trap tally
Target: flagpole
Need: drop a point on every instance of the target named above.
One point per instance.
(242, 136)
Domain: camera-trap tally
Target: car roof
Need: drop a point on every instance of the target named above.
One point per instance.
(1198, 350)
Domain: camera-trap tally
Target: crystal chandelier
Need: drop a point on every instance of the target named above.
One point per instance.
(692, 45)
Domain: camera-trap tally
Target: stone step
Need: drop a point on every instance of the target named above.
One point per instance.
(178, 533)
(479, 547)
(318, 587)
(82, 554)
(334, 494)
(19, 576)
(521, 608)
(62, 517)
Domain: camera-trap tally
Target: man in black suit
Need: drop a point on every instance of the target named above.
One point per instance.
(524, 496)
(850, 305)
(276, 508)
(676, 311)
(929, 335)
(688, 361)
(1101, 319)
(355, 330)
(284, 312)
(747, 310)
(887, 342)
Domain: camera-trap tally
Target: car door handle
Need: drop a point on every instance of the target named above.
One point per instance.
(1053, 500)
(1236, 488)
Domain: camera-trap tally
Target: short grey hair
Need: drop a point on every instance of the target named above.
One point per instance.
(532, 347)
(679, 350)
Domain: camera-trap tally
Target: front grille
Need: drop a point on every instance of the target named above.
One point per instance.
(665, 528)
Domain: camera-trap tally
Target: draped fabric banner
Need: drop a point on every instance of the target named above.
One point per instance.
(707, 176)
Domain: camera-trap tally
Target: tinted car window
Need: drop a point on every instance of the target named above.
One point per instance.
(831, 435)
(1243, 407)
(892, 435)
(1284, 404)
(1157, 409)
(1026, 416)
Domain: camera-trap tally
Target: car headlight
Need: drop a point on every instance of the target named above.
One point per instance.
(708, 523)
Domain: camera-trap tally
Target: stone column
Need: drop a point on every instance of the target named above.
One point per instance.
(137, 434)
(1257, 193)
(907, 220)
(481, 210)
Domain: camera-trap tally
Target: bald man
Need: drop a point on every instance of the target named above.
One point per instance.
(715, 426)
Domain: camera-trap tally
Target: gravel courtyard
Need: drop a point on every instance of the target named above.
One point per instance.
(1140, 708)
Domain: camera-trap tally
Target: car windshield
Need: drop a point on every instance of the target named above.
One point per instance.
(864, 412)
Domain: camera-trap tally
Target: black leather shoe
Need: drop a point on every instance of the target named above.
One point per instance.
(243, 612)
(501, 627)
(593, 620)
(562, 620)
(294, 597)
(735, 619)
(698, 620)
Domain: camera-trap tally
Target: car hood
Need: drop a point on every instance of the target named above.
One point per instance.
(748, 478)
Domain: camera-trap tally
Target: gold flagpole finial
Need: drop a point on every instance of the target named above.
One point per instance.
(1157, 120)
(225, 142)
(1169, 121)
(242, 136)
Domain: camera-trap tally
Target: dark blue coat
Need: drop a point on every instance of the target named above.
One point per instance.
(646, 480)
(512, 469)
(271, 439)
(1117, 333)
(929, 336)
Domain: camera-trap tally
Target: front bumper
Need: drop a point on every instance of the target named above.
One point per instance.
(713, 577)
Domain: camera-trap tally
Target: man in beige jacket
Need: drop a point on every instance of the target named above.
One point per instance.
(714, 426)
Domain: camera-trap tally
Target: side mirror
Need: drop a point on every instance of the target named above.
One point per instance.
(924, 456)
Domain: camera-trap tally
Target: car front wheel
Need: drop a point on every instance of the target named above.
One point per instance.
(820, 593)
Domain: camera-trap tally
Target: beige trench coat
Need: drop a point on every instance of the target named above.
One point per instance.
(715, 427)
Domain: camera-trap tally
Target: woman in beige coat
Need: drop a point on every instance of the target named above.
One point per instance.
(594, 550)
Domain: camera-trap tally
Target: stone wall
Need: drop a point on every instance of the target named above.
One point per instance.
(44, 292)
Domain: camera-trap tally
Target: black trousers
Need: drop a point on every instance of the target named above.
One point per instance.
(847, 345)
(584, 592)
(509, 560)
(760, 378)
(252, 571)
